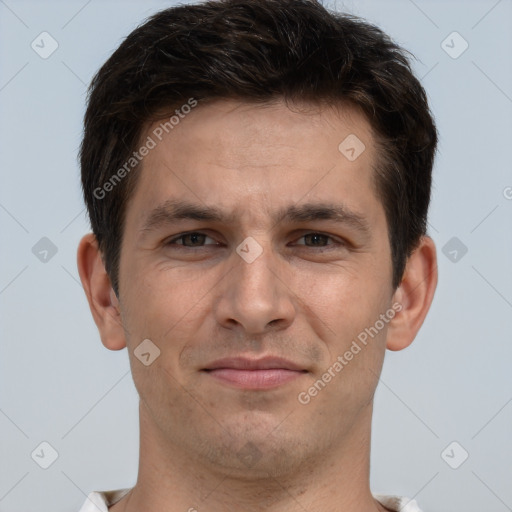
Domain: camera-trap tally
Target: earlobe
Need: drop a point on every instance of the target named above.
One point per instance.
(414, 295)
(103, 303)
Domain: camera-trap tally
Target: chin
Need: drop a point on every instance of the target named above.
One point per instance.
(253, 450)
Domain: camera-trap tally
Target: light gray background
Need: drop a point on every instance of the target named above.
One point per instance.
(58, 384)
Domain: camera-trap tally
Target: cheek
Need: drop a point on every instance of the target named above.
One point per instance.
(169, 312)
(166, 399)
(350, 304)
(347, 300)
(164, 302)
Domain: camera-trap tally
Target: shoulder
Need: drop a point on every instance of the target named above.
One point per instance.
(100, 501)
(397, 503)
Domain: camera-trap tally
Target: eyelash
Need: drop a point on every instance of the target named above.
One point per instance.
(182, 235)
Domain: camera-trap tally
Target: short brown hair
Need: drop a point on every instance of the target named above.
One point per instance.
(258, 51)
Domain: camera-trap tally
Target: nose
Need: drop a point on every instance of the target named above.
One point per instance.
(255, 296)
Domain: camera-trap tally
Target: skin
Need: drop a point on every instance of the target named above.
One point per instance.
(304, 298)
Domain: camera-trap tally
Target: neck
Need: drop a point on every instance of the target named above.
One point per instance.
(170, 479)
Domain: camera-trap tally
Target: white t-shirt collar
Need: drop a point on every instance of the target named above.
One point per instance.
(101, 501)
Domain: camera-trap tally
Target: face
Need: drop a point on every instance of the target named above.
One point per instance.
(255, 254)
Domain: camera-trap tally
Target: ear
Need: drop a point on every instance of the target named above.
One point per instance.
(102, 300)
(414, 295)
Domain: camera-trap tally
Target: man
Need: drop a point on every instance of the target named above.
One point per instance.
(257, 175)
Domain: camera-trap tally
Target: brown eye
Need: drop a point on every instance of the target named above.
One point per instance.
(319, 240)
(193, 239)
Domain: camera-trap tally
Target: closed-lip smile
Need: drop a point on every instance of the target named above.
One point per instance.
(263, 373)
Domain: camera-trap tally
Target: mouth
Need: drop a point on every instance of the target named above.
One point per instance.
(265, 373)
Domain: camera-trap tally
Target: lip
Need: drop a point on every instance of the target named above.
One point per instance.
(264, 373)
(264, 363)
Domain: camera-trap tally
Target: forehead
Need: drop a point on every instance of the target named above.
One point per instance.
(249, 157)
(235, 132)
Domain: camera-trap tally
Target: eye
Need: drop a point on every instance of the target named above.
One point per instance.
(319, 240)
(193, 239)
(197, 239)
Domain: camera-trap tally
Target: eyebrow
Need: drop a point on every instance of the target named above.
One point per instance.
(173, 210)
